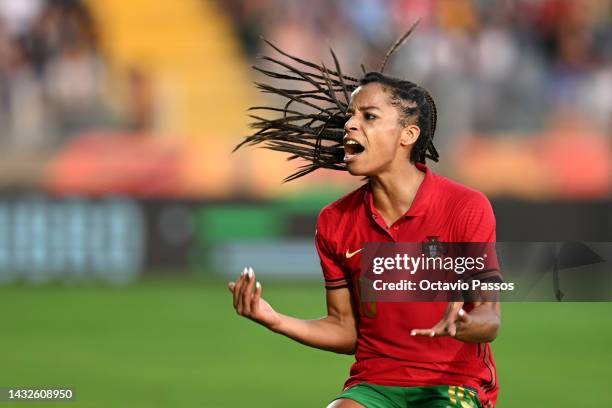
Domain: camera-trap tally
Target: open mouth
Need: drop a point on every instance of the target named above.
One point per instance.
(352, 148)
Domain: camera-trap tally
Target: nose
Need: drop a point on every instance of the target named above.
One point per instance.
(350, 124)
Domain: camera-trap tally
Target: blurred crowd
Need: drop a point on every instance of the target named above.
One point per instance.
(50, 73)
(494, 67)
(519, 84)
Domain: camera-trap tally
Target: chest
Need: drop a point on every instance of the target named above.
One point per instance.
(432, 227)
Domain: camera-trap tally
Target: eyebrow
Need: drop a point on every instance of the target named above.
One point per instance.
(362, 108)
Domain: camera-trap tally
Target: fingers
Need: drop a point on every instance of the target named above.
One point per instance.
(256, 297)
(241, 291)
(446, 329)
(451, 328)
(246, 292)
(425, 332)
(463, 317)
(237, 286)
(448, 325)
(452, 314)
(247, 295)
(452, 310)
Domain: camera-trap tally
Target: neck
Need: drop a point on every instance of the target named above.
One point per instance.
(393, 191)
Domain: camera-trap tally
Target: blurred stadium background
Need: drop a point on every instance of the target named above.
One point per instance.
(123, 212)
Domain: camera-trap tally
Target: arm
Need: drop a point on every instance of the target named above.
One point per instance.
(335, 332)
(480, 325)
(475, 222)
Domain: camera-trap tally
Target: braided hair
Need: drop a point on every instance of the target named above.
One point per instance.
(314, 129)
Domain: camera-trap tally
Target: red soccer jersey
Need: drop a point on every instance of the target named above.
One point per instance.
(386, 354)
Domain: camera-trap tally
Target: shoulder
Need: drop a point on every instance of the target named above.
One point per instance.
(459, 198)
(337, 218)
(469, 212)
(344, 206)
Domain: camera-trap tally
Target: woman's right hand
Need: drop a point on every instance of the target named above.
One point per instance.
(248, 302)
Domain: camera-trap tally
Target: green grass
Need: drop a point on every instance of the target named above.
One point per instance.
(172, 344)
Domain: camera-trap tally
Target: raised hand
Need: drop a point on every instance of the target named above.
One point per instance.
(454, 318)
(248, 302)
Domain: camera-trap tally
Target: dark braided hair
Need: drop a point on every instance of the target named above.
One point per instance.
(313, 131)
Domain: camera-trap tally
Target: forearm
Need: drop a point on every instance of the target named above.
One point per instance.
(483, 325)
(328, 333)
(336, 332)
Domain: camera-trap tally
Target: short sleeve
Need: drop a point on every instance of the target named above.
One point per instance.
(475, 221)
(334, 275)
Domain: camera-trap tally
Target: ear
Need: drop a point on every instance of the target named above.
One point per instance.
(409, 135)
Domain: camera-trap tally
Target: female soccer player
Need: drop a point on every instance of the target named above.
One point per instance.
(408, 354)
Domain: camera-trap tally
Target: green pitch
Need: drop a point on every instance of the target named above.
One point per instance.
(172, 344)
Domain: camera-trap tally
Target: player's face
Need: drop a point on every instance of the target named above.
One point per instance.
(374, 137)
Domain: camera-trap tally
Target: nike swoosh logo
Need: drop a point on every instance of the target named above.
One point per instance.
(351, 254)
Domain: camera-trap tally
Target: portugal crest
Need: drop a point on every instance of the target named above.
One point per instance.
(433, 248)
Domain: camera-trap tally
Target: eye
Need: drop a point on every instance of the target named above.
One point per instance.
(369, 116)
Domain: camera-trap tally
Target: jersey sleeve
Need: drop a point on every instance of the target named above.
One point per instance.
(334, 275)
(475, 223)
